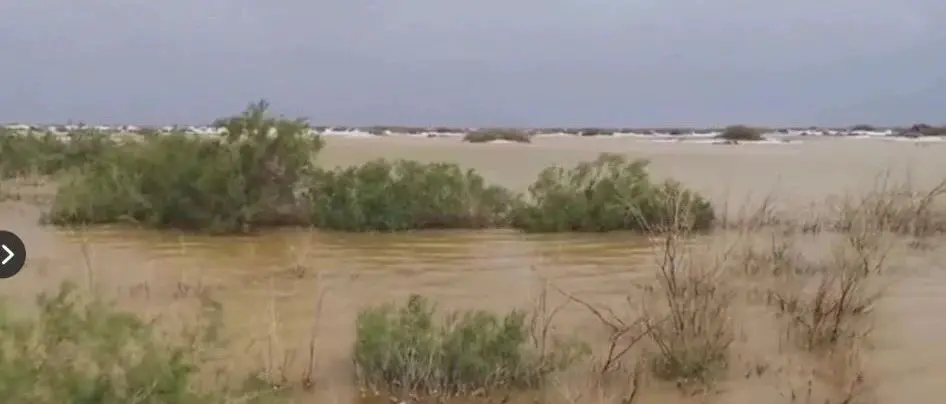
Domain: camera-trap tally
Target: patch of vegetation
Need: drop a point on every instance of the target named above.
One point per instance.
(261, 173)
(377, 131)
(922, 130)
(414, 349)
(86, 351)
(399, 195)
(246, 179)
(835, 313)
(596, 132)
(692, 333)
(683, 329)
(741, 133)
(863, 128)
(489, 135)
(610, 193)
(825, 302)
(46, 153)
(894, 208)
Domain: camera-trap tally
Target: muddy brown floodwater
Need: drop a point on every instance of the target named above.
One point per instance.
(282, 274)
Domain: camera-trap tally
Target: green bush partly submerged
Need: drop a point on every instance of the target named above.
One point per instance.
(47, 153)
(83, 350)
(491, 135)
(608, 194)
(413, 348)
(247, 179)
(399, 195)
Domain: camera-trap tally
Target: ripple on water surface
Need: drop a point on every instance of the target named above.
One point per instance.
(438, 254)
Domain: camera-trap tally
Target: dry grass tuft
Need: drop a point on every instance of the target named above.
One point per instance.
(896, 208)
(690, 324)
(889, 207)
(831, 307)
(278, 363)
(686, 310)
(681, 330)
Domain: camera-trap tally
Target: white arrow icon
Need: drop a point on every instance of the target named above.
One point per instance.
(9, 254)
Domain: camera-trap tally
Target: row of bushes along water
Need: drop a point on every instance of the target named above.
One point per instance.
(263, 173)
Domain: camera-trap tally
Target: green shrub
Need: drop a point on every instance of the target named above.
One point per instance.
(412, 348)
(489, 135)
(693, 334)
(81, 148)
(81, 350)
(406, 195)
(248, 178)
(607, 194)
(24, 154)
(45, 153)
(741, 132)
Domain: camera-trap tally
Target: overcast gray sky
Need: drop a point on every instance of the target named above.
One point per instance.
(476, 63)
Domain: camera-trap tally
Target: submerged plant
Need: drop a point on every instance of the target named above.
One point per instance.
(247, 179)
(384, 195)
(412, 348)
(609, 193)
(84, 350)
(490, 135)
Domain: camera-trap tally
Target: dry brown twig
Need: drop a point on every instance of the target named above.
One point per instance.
(622, 335)
(833, 312)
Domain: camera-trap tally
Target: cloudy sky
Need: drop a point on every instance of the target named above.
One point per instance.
(476, 63)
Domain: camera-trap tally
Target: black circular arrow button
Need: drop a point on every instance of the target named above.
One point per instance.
(12, 254)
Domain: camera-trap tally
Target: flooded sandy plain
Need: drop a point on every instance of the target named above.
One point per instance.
(272, 286)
